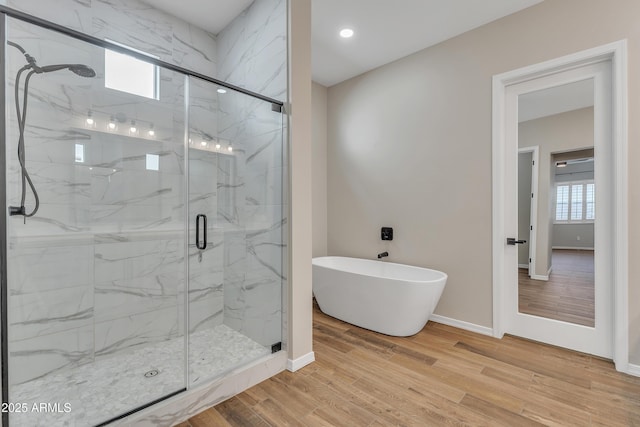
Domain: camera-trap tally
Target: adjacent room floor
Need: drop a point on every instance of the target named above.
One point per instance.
(441, 376)
(568, 295)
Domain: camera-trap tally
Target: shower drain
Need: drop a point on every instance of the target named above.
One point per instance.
(151, 373)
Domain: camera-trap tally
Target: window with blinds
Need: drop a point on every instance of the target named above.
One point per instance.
(575, 202)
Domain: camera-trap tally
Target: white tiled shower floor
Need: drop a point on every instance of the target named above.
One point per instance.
(99, 391)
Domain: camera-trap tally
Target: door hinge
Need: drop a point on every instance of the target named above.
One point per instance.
(532, 228)
(533, 162)
(532, 195)
(529, 260)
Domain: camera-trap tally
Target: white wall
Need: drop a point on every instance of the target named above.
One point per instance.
(319, 169)
(395, 134)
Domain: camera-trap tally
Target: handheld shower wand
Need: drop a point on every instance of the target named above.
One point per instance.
(32, 66)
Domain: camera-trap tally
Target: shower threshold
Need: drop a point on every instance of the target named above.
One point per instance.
(94, 392)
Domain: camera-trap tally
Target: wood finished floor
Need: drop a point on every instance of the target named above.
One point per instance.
(441, 376)
(569, 294)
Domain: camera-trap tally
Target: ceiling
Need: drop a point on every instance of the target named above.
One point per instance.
(210, 15)
(386, 30)
(555, 100)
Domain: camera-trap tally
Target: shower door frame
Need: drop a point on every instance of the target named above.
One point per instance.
(7, 12)
(4, 337)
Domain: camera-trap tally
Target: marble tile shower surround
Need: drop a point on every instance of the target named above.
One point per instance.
(99, 272)
(133, 23)
(252, 49)
(251, 52)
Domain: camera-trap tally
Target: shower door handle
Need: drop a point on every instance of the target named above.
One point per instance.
(201, 243)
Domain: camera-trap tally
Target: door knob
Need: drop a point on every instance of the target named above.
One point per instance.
(513, 241)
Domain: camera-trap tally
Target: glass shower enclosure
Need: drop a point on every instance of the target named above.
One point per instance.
(144, 232)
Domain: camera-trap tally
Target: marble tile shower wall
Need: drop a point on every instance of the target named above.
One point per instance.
(100, 268)
(252, 49)
(133, 23)
(114, 261)
(252, 53)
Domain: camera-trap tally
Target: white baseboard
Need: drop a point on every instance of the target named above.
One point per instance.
(573, 248)
(300, 362)
(523, 265)
(462, 324)
(633, 370)
(540, 277)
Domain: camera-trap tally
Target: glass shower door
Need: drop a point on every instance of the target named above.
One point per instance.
(236, 229)
(112, 187)
(96, 274)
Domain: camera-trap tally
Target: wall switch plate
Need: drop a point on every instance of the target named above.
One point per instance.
(386, 233)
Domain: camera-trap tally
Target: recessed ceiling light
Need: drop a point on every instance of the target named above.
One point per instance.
(345, 33)
(221, 90)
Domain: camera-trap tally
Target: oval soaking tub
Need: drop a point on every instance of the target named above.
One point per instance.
(392, 299)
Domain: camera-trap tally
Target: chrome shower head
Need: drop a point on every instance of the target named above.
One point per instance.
(79, 69)
(33, 68)
(83, 70)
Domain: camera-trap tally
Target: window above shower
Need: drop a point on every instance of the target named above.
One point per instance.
(132, 75)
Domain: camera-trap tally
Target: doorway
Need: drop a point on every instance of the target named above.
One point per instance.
(560, 119)
(600, 67)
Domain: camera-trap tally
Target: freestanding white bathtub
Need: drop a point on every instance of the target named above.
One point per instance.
(393, 299)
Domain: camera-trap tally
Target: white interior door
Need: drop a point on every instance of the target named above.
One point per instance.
(597, 340)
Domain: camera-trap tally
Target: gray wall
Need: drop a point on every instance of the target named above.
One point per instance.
(319, 169)
(569, 236)
(396, 132)
(524, 205)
